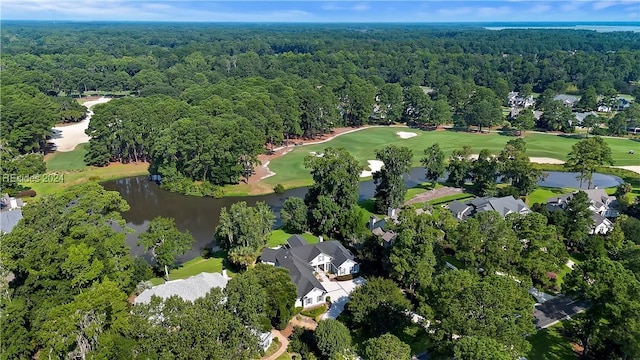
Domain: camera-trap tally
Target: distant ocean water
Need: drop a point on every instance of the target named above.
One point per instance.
(593, 26)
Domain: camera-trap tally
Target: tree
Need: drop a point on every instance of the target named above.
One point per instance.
(578, 223)
(479, 348)
(165, 242)
(378, 299)
(332, 337)
(459, 166)
(390, 188)
(589, 122)
(483, 109)
(417, 106)
(281, 293)
(613, 293)
(586, 155)
(589, 99)
(294, 215)
(386, 347)
(557, 117)
(245, 226)
(332, 197)
(245, 299)
(543, 250)
(433, 162)
(484, 171)
(242, 256)
(412, 258)
(390, 96)
(357, 101)
(524, 121)
(493, 307)
(516, 168)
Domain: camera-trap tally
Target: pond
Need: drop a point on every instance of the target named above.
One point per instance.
(200, 215)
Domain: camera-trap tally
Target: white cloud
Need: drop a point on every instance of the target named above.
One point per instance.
(494, 11)
(332, 6)
(455, 11)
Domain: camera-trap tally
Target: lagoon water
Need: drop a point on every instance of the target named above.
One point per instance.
(200, 215)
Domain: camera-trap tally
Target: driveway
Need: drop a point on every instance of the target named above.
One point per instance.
(339, 292)
(556, 310)
(284, 344)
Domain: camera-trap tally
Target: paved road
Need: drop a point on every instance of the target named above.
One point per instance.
(555, 310)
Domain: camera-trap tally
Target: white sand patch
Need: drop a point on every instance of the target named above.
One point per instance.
(66, 138)
(269, 172)
(545, 160)
(406, 135)
(316, 154)
(374, 165)
(633, 168)
(537, 160)
(570, 264)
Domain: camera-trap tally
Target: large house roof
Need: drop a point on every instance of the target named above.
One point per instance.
(503, 205)
(9, 219)
(188, 289)
(297, 259)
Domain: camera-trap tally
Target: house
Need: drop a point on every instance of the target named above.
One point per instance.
(513, 113)
(602, 206)
(515, 100)
(9, 219)
(604, 108)
(377, 228)
(193, 288)
(10, 203)
(622, 104)
(303, 260)
(504, 205)
(568, 100)
(580, 116)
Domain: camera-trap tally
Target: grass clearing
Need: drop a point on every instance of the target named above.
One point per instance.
(67, 161)
(291, 172)
(284, 356)
(551, 344)
(541, 194)
(450, 198)
(279, 237)
(195, 267)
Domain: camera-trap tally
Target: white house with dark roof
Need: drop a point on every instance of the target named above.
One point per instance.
(567, 100)
(504, 205)
(601, 204)
(303, 260)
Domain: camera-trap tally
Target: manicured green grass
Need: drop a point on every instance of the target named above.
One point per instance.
(291, 172)
(541, 194)
(284, 356)
(279, 237)
(550, 344)
(577, 259)
(450, 198)
(66, 161)
(195, 267)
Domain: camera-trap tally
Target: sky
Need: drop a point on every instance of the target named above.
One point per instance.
(426, 11)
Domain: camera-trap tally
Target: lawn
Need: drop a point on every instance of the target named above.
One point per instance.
(419, 189)
(291, 172)
(195, 267)
(577, 259)
(550, 344)
(450, 198)
(284, 356)
(66, 161)
(71, 165)
(541, 194)
(279, 237)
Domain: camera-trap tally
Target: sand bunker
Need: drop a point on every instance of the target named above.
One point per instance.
(374, 165)
(545, 160)
(316, 154)
(66, 138)
(406, 135)
(633, 168)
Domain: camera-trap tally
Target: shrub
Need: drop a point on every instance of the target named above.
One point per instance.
(313, 313)
(279, 189)
(344, 277)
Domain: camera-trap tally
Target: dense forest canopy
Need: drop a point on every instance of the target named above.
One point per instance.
(259, 86)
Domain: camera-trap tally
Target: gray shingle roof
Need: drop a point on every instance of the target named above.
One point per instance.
(457, 207)
(296, 240)
(9, 219)
(297, 259)
(503, 205)
(188, 289)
